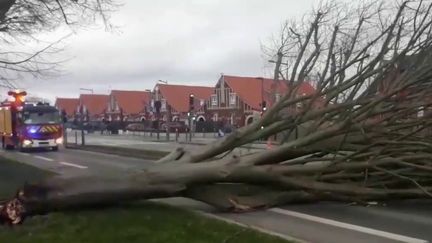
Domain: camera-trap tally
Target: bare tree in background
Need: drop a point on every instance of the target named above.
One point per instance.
(21, 21)
(360, 134)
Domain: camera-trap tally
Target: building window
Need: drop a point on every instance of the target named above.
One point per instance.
(277, 97)
(227, 96)
(163, 105)
(232, 99)
(112, 104)
(246, 107)
(152, 106)
(214, 100)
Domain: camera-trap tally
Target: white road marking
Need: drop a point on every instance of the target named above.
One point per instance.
(74, 165)
(257, 228)
(25, 154)
(358, 228)
(43, 158)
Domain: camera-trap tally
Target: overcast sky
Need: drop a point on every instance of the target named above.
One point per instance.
(183, 42)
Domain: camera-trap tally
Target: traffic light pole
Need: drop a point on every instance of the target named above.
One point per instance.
(64, 120)
(190, 126)
(82, 129)
(190, 115)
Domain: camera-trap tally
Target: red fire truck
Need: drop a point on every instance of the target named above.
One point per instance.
(25, 125)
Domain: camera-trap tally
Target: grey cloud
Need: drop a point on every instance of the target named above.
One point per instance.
(188, 42)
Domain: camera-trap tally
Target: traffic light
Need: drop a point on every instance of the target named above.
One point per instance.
(191, 102)
(264, 106)
(64, 116)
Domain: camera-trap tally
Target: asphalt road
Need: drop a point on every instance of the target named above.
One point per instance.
(409, 221)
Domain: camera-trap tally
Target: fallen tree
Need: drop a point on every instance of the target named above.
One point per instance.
(362, 135)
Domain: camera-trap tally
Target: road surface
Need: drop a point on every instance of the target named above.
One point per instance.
(324, 222)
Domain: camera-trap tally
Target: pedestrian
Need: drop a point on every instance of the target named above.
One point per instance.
(221, 133)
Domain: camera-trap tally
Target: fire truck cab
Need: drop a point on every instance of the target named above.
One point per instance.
(25, 126)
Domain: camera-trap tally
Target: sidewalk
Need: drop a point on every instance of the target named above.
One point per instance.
(151, 143)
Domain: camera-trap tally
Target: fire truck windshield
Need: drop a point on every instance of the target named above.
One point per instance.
(46, 117)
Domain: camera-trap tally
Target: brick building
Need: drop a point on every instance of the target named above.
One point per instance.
(93, 106)
(173, 101)
(128, 105)
(68, 105)
(238, 100)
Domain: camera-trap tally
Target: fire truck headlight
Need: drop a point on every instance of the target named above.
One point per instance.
(27, 142)
(59, 140)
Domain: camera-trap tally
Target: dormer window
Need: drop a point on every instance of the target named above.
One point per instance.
(214, 100)
(232, 99)
(163, 105)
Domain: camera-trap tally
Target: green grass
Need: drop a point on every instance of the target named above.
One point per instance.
(132, 223)
(13, 175)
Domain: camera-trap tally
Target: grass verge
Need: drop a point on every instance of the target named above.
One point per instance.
(133, 222)
(13, 175)
(128, 152)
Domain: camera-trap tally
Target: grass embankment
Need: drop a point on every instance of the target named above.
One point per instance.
(132, 223)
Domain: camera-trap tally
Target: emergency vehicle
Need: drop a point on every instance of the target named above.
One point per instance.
(25, 125)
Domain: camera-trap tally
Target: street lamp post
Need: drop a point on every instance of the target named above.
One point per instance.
(83, 116)
(90, 90)
(190, 114)
(82, 125)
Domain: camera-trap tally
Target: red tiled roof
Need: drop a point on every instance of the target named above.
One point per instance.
(96, 104)
(252, 90)
(177, 96)
(69, 105)
(132, 102)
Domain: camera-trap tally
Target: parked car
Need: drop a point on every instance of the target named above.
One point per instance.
(136, 127)
(71, 125)
(174, 127)
(94, 126)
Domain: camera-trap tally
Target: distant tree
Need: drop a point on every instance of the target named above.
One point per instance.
(21, 21)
